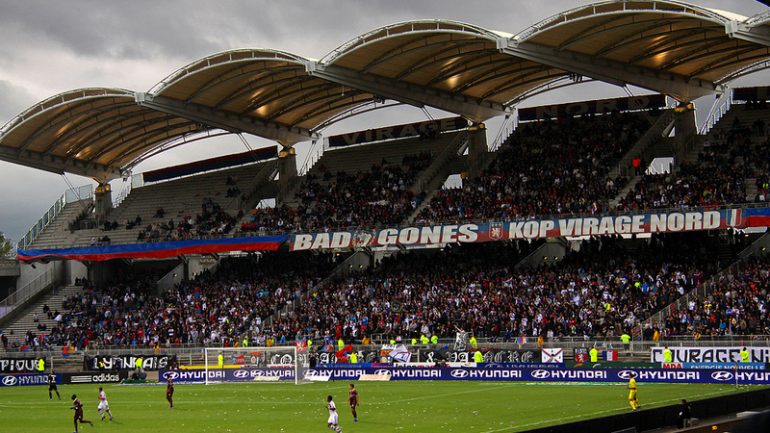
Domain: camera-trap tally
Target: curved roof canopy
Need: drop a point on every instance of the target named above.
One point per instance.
(93, 132)
(668, 46)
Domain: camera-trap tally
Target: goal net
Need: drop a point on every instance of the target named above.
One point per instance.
(255, 364)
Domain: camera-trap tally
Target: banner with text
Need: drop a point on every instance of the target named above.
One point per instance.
(127, 362)
(490, 355)
(711, 354)
(662, 222)
(633, 103)
(76, 378)
(428, 129)
(524, 374)
(26, 379)
(19, 365)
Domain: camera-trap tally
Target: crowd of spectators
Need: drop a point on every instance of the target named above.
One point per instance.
(327, 200)
(604, 288)
(735, 304)
(704, 184)
(220, 308)
(212, 220)
(548, 167)
(732, 156)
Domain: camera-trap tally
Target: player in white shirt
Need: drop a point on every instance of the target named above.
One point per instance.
(103, 405)
(333, 420)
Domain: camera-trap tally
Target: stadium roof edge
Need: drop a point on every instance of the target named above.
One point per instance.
(668, 46)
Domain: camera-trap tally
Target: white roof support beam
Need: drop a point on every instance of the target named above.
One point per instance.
(402, 91)
(739, 30)
(287, 136)
(609, 71)
(59, 165)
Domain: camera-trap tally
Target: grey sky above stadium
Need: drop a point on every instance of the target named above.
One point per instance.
(49, 47)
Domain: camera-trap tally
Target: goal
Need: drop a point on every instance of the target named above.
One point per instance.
(255, 364)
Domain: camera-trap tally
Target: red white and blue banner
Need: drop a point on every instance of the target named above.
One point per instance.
(611, 225)
(157, 250)
(576, 227)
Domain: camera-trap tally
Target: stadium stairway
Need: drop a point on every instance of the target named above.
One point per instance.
(177, 198)
(443, 150)
(16, 328)
(746, 118)
(57, 233)
(758, 247)
(660, 149)
(363, 157)
(646, 145)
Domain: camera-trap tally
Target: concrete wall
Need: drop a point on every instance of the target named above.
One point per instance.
(29, 272)
(552, 250)
(198, 264)
(172, 278)
(9, 268)
(74, 270)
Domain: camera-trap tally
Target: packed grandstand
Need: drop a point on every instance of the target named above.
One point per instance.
(597, 286)
(583, 222)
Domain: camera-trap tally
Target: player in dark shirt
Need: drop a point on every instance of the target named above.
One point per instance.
(170, 393)
(77, 406)
(52, 386)
(353, 400)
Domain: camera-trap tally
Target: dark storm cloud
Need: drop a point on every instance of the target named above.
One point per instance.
(13, 100)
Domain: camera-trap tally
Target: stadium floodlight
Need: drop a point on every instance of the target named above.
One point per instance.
(255, 364)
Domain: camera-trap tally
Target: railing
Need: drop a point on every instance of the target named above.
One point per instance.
(612, 213)
(76, 194)
(720, 107)
(506, 129)
(451, 150)
(41, 282)
(641, 348)
(124, 192)
(314, 154)
(709, 284)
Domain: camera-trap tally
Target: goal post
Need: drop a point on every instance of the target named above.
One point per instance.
(255, 364)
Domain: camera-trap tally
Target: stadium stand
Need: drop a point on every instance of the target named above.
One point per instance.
(215, 309)
(31, 325)
(540, 169)
(58, 233)
(614, 283)
(179, 200)
(355, 188)
(730, 167)
(604, 287)
(734, 303)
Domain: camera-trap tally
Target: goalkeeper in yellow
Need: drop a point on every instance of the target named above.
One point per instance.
(632, 400)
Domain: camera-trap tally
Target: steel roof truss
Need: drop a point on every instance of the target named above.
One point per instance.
(233, 122)
(117, 128)
(157, 141)
(266, 79)
(418, 96)
(613, 72)
(59, 165)
(56, 122)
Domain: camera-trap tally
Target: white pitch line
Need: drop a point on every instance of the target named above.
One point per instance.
(583, 417)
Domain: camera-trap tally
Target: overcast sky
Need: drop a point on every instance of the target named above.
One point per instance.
(53, 46)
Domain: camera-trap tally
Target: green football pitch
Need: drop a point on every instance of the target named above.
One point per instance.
(473, 407)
